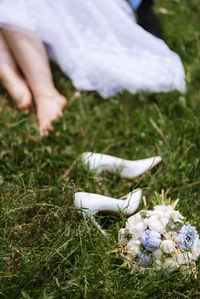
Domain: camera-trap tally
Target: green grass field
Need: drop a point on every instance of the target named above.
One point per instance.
(48, 250)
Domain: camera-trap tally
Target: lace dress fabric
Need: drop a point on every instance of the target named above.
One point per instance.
(98, 44)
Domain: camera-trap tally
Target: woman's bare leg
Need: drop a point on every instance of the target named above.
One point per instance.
(12, 80)
(31, 56)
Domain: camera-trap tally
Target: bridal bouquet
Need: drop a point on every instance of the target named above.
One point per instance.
(160, 238)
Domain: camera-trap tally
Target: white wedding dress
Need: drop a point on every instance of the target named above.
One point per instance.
(98, 44)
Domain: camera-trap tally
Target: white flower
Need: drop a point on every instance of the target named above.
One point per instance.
(133, 220)
(137, 242)
(177, 216)
(157, 254)
(167, 212)
(154, 223)
(167, 246)
(159, 218)
(135, 224)
(133, 247)
(184, 258)
(170, 265)
(164, 211)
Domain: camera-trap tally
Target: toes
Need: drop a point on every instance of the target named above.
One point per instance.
(45, 128)
(49, 110)
(24, 108)
(44, 133)
(26, 111)
(25, 102)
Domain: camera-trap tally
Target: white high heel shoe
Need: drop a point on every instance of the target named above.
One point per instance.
(126, 168)
(91, 203)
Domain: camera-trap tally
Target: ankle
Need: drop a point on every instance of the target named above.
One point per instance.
(45, 93)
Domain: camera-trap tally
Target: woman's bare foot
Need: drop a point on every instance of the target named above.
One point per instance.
(16, 87)
(49, 108)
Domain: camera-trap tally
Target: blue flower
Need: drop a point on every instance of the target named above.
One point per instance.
(150, 239)
(185, 237)
(145, 259)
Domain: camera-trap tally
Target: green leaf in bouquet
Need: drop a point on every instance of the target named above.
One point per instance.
(127, 235)
(174, 204)
(173, 225)
(143, 214)
(161, 199)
